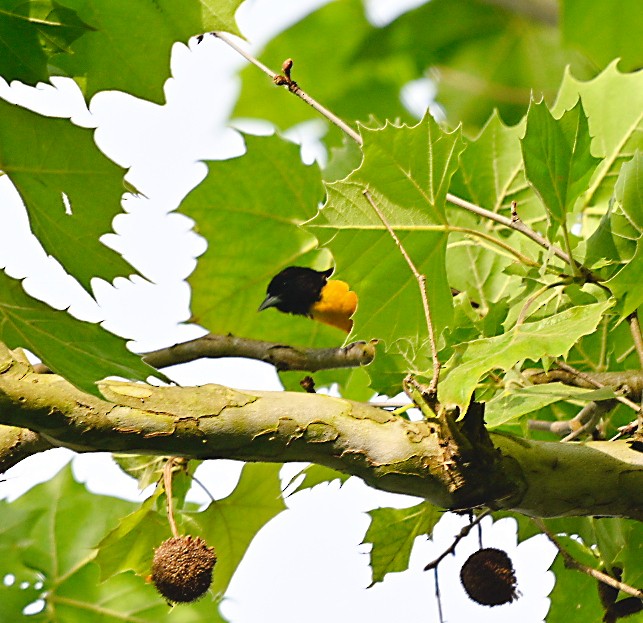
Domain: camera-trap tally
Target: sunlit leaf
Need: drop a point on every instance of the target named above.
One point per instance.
(551, 337)
(557, 157)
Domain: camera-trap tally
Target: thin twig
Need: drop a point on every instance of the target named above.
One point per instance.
(167, 484)
(587, 418)
(514, 223)
(586, 377)
(421, 280)
(293, 87)
(635, 328)
(572, 563)
(438, 597)
(462, 534)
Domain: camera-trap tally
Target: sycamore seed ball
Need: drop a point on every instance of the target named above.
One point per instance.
(488, 577)
(182, 568)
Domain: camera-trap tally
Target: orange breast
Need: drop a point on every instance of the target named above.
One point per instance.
(338, 303)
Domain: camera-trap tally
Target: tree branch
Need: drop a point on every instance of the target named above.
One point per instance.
(635, 328)
(619, 381)
(17, 444)
(281, 356)
(388, 452)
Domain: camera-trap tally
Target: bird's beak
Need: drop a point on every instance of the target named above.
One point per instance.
(270, 301)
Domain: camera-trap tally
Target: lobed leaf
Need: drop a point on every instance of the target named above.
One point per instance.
(129, 46)
(557, 159)
(392, 533)
(51, 162)
(407, 170)
(81, 352)
(625, 285)
(229, 525)
(613, 103)
(604, 34)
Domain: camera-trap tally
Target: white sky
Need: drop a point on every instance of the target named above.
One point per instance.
(307, 564)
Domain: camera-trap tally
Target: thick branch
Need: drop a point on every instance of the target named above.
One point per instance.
(387, 451)
(281, 356)
(17, 444)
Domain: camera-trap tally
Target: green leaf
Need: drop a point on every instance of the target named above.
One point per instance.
(142, 467)
(21, 54)
(49, 160)
(625, 285)
(617, 134)
(407, 170)
(491, 165)
(557, 157)
(129, 48)
(61, 523)
(19, 593)
(250, 211)
(130, 545)
(604, 34)
(553, 336)
(317, 474)
(229, 525)
(629, 189)
(392, 533)
(81, 352)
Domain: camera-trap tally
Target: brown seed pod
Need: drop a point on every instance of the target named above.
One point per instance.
(488, 577)
(182, 568)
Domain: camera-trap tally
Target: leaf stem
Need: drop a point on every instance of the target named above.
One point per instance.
(421, 280)
(167, 485)
(568, 249)
(461, 535)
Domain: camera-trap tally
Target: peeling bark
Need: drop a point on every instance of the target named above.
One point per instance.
(453, 465)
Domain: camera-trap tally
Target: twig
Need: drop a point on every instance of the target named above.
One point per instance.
(438, 596)
(421, 280)
(293, 87)
(462, 534)
(518, 225)
(587, 418)
(584, 420)
(572, 563)
(586, 377)
(635, 328)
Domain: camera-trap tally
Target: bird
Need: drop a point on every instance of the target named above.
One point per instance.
(307, 292)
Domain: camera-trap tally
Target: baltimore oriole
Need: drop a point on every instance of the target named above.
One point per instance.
(307, 292)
